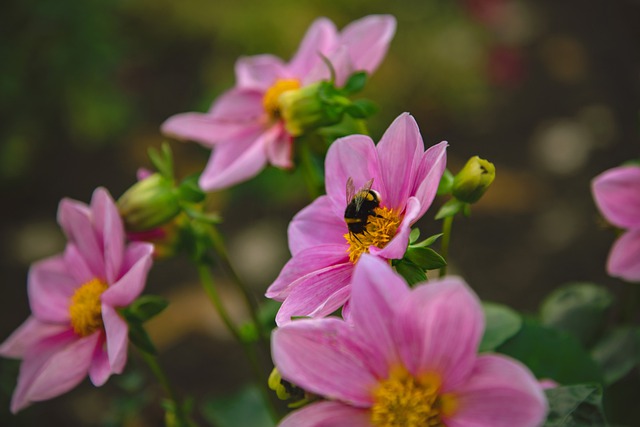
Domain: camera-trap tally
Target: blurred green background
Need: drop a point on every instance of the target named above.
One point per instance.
(547, 90)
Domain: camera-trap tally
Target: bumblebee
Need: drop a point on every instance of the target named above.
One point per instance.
(360, 206)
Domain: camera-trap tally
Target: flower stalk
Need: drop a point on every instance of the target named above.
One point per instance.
(447, 224)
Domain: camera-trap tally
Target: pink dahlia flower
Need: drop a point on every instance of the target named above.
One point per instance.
(404, 358)
(315, 282)
(245, 125)
(74, 328)
(617, 194)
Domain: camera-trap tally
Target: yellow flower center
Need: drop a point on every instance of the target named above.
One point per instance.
(380, 229)
(403, 400)
(85, 309)
(271, 99)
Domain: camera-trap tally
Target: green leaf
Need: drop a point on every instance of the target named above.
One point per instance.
(243, 408)
(411, 272)
(139, 337)
(355, 83)
(425, 258)
(617, 353)
(361, 109)
(145, 307)
(578, 308)
(190, 191)
(428, 241)
(446, 183)
(415, 235)
(501, 324)
(551, 353)
(451, 208)
(575, 406)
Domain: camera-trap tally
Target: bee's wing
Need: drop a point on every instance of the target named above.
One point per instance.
(351, 190)
(362, 193)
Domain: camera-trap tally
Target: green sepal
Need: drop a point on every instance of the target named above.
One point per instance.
(617, 353)
(427, 242)
(162, 160)
(361, 109)
(501, 323)
(451, 208)
(144, 308)
(190, 191)
(355, 83)
(425, 258)
(411, 272)
(139, 337)
(205, 217)
(414, 235)
(575, 406)
(446, 183)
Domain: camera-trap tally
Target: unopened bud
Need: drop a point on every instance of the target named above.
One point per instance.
(306, 109)
(473, 180)
(149, 203)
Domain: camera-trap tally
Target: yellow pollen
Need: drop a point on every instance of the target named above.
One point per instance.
(85, 309)
(381, 228)
(271, 100)
(403, 400)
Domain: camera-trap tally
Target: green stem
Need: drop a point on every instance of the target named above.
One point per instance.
(207, 282)
(444, 242)
(162, 378)
(309, 172)
(252, 306)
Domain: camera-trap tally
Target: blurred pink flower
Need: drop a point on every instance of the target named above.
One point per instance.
(74, 329)
(405, 357)
(617, 195)
(315, 282)
(244, 124)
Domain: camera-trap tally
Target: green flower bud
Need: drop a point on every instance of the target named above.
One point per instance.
(149, 203)
(311, 107)
(473, 180)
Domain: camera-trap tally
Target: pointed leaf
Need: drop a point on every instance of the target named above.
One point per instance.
(501, 324)
(575, 406)
(355, 83)
(411, 272)
(426, 258)
(451, 208)
(617, 353)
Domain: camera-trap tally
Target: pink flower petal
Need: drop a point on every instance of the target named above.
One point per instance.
(399, 151)
(327, 414)
(76, 220)
(138, 260)
(624, 257)
(279, 149)
(76, 266)
(353, 156)
(27, 335)
(427, 179)
(117, 338)
(239, 160)
(376, 291)
(303, 263)
(50, 288)
(500, 392)
(100, 369)
(397, 247)
(316, 225)
(439, 330)
(323, 357)
(54, 367)
(232, 115)
(110, 230)
(368, 40)
(317, 294)
(259, 72)
(617, 194)
(320, 38)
